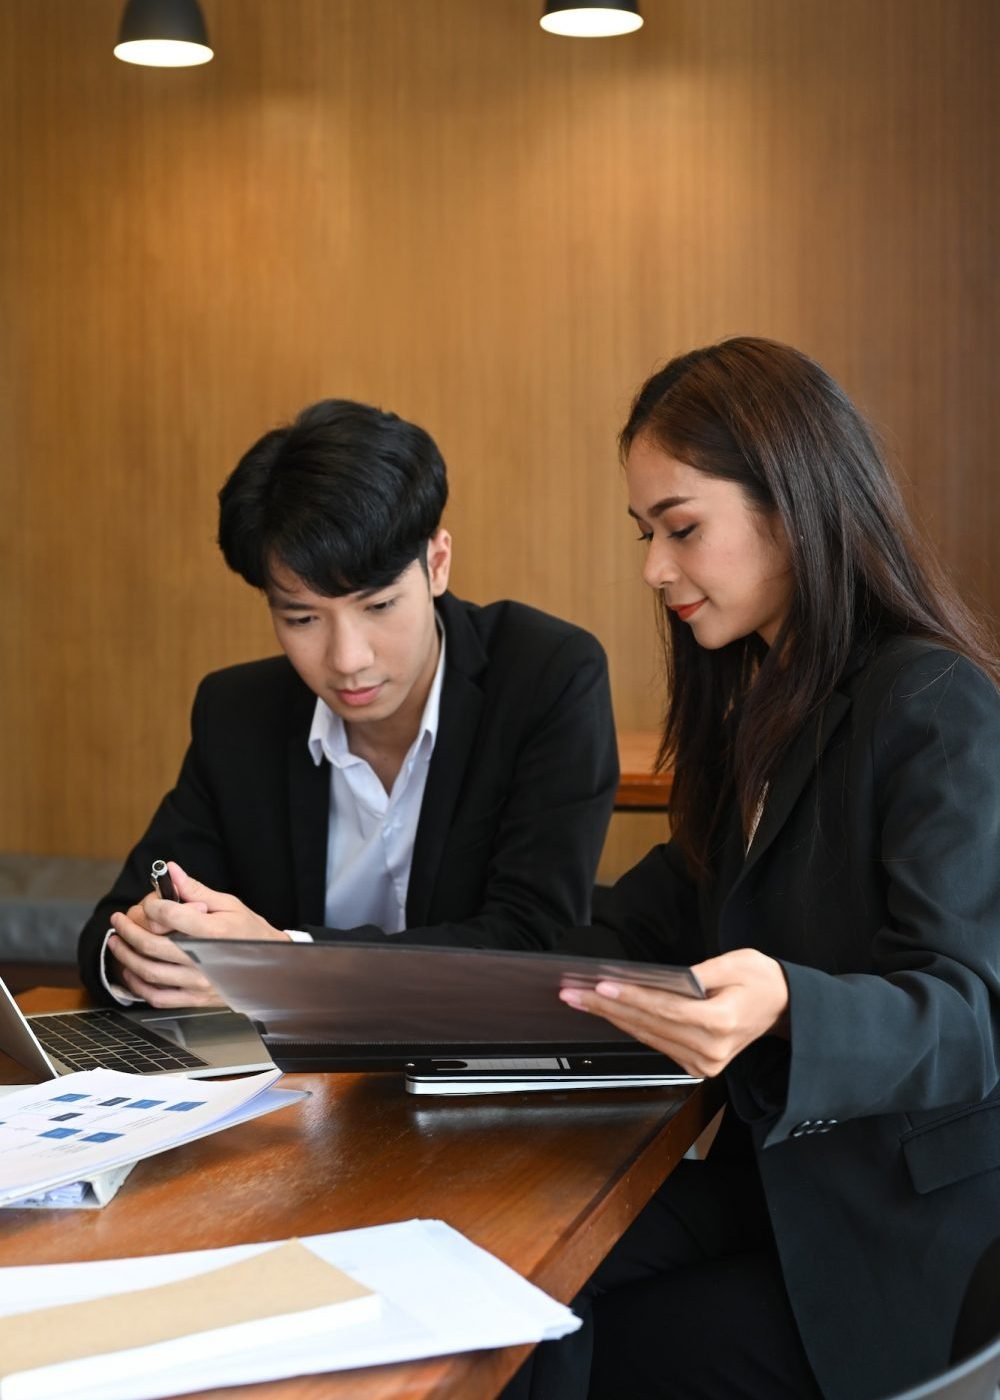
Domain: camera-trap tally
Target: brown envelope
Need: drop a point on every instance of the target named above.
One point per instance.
(286, 1279)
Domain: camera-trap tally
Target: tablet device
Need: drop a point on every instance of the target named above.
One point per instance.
(515, 1075)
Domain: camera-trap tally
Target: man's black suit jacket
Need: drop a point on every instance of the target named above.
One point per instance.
(874, 877)
(518, 797)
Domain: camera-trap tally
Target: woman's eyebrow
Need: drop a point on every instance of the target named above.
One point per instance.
(666, 504)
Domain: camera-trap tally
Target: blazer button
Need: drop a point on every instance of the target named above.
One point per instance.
(802, 1128)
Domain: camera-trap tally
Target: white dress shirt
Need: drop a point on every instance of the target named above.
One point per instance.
(371, 832)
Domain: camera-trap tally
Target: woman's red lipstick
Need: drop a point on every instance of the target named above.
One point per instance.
(686, 610)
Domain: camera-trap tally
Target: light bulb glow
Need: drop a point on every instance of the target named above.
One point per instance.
(592, 22)
(163, 53)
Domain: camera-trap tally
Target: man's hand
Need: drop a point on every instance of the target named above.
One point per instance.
(152, 968)
(206, 913)
(747, 998)
(158, 970)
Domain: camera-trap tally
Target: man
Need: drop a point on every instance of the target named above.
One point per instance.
(413, 765)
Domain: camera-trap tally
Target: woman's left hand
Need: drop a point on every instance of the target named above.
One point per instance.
(747, 998)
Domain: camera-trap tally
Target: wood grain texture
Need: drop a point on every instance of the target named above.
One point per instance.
(499, 233)
(547, 1182)
(640, 784)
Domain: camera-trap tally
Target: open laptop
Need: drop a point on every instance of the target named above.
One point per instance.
(192, 1041)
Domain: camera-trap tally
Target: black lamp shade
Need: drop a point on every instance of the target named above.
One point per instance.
(181, 20)
(163, 33)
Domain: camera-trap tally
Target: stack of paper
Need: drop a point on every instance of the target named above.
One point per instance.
(89, 1194)
(273, 1298)
(254, 1313)
(88, 1125)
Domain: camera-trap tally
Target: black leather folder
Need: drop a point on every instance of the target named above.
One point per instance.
(364, 1006)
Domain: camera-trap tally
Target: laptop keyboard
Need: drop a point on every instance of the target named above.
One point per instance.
(104, 1040)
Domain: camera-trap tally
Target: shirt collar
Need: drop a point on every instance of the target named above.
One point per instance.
(328, 733)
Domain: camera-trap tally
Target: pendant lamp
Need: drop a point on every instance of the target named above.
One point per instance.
(591, 19)
(163, 34)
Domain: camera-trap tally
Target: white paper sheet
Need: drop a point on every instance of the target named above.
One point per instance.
(440, 1294)
(72, 1128)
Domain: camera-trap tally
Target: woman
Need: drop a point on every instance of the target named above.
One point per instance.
(834, 878)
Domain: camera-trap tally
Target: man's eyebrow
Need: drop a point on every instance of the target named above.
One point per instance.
(667, 503)
(277, 600)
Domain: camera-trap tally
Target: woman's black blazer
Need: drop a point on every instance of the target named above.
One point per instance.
(874, 877)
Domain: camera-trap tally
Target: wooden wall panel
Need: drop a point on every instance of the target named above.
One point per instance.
(440, 208)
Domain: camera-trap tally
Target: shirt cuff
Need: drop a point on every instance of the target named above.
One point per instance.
(297, 936)
(120, 995)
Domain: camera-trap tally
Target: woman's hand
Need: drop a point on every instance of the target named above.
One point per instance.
(747, 998)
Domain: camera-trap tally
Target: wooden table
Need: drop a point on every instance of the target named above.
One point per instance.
(547, 1182)
(640, 787)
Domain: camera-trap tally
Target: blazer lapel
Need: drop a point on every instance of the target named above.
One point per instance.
(792, 775)
(308, 812)
(728, 865)
(458, 724)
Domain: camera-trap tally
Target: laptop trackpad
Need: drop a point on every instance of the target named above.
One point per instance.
(200, 1030)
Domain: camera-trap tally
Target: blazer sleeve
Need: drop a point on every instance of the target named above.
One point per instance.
(650, 915)
(921, 1029)
(549, 832)
(185, 827)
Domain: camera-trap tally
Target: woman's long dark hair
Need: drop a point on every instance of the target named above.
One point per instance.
(770, 419)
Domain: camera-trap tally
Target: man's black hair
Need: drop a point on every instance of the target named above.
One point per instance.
(346, 498)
